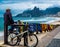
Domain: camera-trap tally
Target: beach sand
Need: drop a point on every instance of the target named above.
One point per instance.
(1, 37)
(1, 41)
(55, 23)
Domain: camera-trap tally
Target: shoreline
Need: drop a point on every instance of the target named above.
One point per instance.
(1, 36)
(55, 23)
(1, 33)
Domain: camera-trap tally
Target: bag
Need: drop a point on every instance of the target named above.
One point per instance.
(32, 27)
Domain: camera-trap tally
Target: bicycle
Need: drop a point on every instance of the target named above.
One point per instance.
(17, 38)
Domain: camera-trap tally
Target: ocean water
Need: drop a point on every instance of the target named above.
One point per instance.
(1, 24)
(38, 20)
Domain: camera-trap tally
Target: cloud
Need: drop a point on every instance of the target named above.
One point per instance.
(16, 7)
(33, 1)
(24, 6)
(20, 5)
(13, 1)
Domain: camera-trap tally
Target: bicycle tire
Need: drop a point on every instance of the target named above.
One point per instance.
(36, 41)
(12, 40)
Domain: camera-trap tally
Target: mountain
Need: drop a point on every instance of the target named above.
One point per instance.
(36, 12)
(53, 10)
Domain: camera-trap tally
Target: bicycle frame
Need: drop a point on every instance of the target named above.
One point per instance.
(21, 34)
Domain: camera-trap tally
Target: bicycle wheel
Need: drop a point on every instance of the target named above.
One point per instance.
(11, 40)
(32, 41)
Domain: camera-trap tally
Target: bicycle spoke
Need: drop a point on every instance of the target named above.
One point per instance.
(11, 40)
(32, 41)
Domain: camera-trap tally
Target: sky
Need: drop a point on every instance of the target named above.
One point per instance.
(18, 6)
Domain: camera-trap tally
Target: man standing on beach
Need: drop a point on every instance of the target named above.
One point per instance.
(7, 21)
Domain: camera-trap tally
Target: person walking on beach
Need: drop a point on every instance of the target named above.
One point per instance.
(7, 21)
